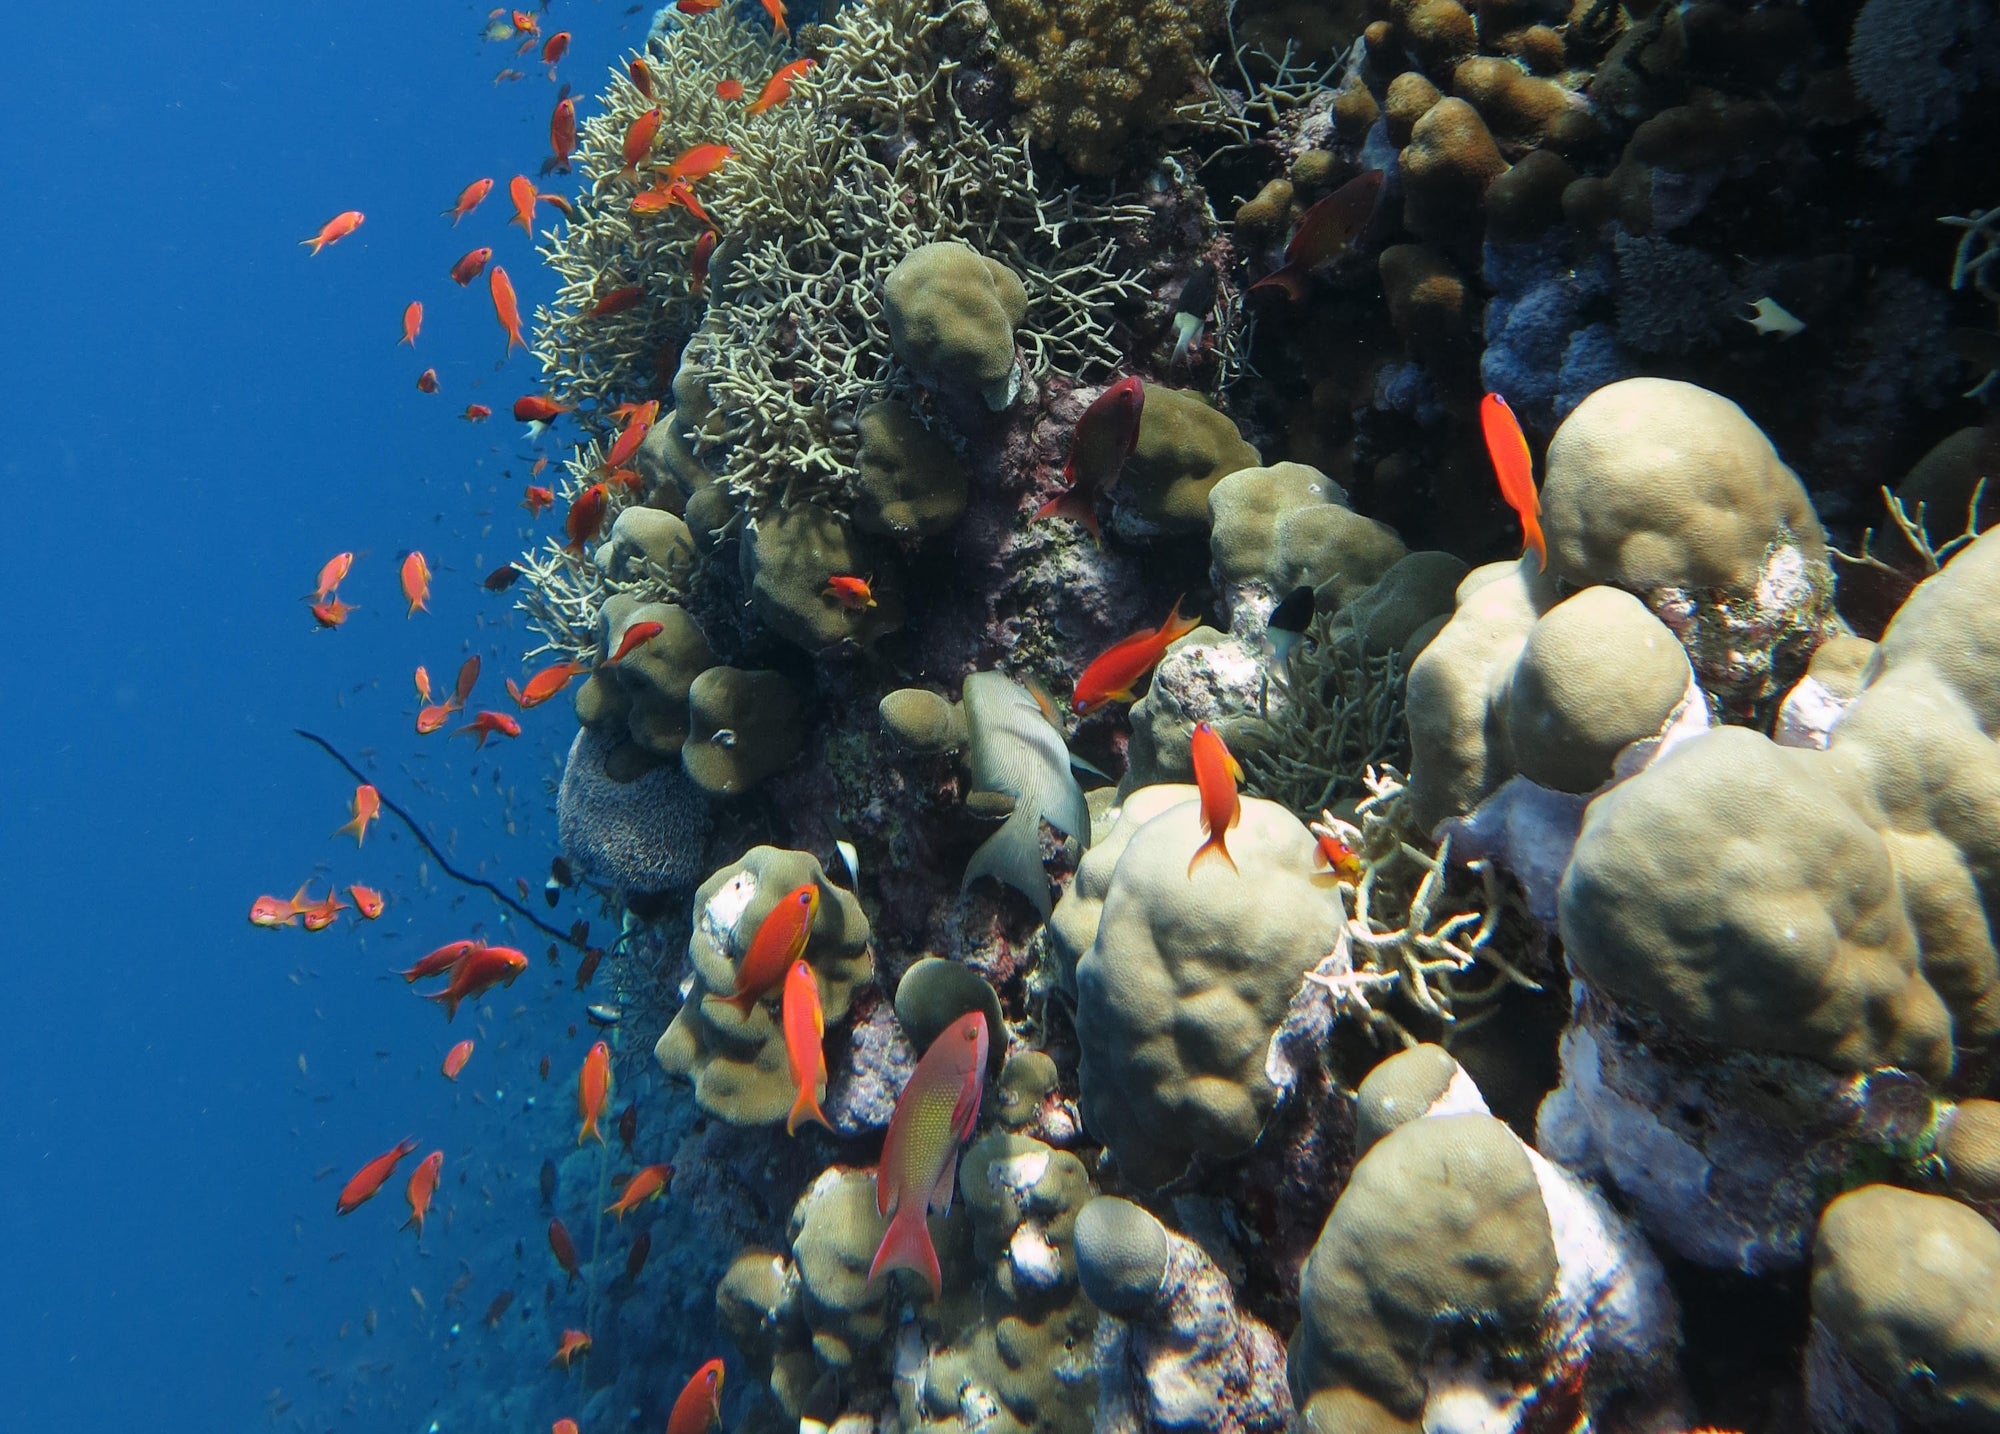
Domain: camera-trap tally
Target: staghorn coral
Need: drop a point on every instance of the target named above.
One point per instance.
(1093, 73)
(1341, 715)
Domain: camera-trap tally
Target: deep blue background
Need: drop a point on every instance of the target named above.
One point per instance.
(200, 414)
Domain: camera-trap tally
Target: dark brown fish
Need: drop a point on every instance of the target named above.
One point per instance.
(635, 1258)
(502, 578)
(548, 1184)
(498, 1308)
(563, 1248)
(588, 967)
(628, 1124)
(1325, 232)
(545, 1067)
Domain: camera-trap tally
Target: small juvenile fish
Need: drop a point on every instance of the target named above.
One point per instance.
(470, 266)
(469, 199)
(934, 1116)
(367, 901)
(476, 413)
(413, 321)
(1113, 673)
(1507, 446)
(455, 1059)
(415, 575)
(780, 940)
(485, 724)
(574, 1344)
(335, 229)
(854, 594)
(331, 613)
(1102, 440)
(1216, 773)
(778, 88)
(498, 1308)
(563, 1248)
(427, 381)
(537, 500)
(805, 1033)
(423, 1185)
(649, 1184)
(1197, 297)
(369, 1178)
(1325, 231)
(593, 1089)
(367, 808)
(638, 634)
(505, 309)
(698, 1407)
(730, 89)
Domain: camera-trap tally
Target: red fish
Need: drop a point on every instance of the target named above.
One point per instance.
(468, 677)
(1113, 673)
(331, 574)
(638, 141)
(504, 307)
(617, 301)
(555, 47)
(273, 911)
(776, 10)
(423, 1185)
(368, 1179)
(648, 1184)
(469, 199)
(637, 635)
(562, 132)
(1216, 773)
(536, 500)
(730, 89)
(427, 381)
(704, 250)
(498, 1308)
(476, 413)
(934, 1116)
(564, 1426)
(544, 684)
(486, 724)
(335, 229)
(521, 190)
(850, 592)
(1325, 231)
(779, 941)
(442, 959)
(323, 913)
(413, 321)
(778, 88)
(637, 426)
(477, 972)
(434, 716)
(415, 575)
(641, 74)
(698, 1407)
(526, 23)
(502, 577)
(331, 613)
(367, 808)
(586, 516)
(1507, 446)
(367, 901)
(563, 1248)
(699, 162)
(593, 1089)
(470, 266)
(455, 1059)
(696, 7)
(1102, 440)
(574, 1343)
(805, 1032)
(538, 411)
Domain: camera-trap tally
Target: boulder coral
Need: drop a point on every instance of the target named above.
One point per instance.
(952, 313)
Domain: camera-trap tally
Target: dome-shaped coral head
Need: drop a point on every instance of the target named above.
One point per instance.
(934, 1116)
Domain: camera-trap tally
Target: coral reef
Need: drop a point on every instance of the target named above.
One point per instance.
(644, 833)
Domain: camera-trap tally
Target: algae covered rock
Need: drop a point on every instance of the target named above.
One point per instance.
(742, 727)
(1188, 977)
(1185, 448)
(908, 483)
(924, 721)
(952, 313)
(737, 1062)
(787, 561)
(1205, 676)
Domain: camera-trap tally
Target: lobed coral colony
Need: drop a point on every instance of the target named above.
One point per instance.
(1277, 960)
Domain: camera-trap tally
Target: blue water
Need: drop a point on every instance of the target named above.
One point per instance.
(201, 415)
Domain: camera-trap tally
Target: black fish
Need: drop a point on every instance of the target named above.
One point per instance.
(635, 1258)
(1289, 621)
(1198, 293)
(548, 1184)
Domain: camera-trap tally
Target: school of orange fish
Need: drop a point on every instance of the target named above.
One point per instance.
(939, 1105)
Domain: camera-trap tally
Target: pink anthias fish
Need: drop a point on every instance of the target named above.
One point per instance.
(934, 1116)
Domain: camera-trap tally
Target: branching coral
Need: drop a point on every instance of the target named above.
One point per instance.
(1342, 714)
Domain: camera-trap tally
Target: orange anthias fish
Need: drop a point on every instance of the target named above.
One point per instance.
(544, 684)
(778, 88)
(469, 199)
(1102, 440)
(368, 1179)
(586, 516)
(538, 411)
(505, 309)
(574, 1342)
(555, 47)
(638, 423)
(1325, 231)
(698, 1407)
(476, 413)
(274, 911)
(367, 901)
(486, 724)
(562, 132)
(455, 1059)
(1507, 446)
(413, 321)
(416, 579)
(423, 1185)
(477, 972)
(699, 162)
(1216, 773)
(323, 913)
(563, 1248)
(637, 635)
(367, 808)
(618, 301)
(638, 142)
(434, 716)
(729, 89)
(641, 74)
(805, 1032)
(331, 613)
(854, 594)
(779, 941)
(776, 10)
(521, 190)
(442, 959)
(421, 679)
(332, 574)
(704, 250)
(536, 500)
(934, 1116)
(1341, 859)
(335, 229)
(593, 1090)
(1111, 675)
(526, 23)
(648, 1184)
(427, 381)
(564, 1426)
(470, 266)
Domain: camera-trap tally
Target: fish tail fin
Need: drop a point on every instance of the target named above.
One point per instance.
(805, 1108)
(448, 1001)
(1213, 844)
(1177, 627)
(906, 1245)
(1074, 506)
(1012, 856)
(744, 1002)
(1536, 543)
(1287, 279)
(356, 828)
